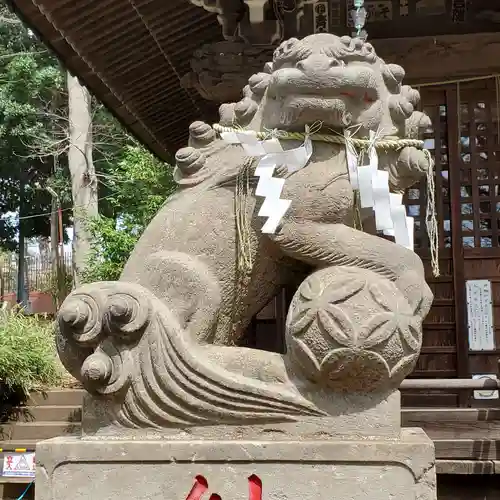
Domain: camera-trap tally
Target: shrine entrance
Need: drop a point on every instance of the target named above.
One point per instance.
(464, 141)
(466, 148)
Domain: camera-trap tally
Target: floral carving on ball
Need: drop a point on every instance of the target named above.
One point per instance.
(353, 330)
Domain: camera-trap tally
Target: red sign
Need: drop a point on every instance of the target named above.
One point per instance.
(200, 487)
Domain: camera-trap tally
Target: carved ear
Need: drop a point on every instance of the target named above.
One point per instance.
(393, 75)
(201, 134)
(400, 108)
(226, 114)
(188, 161)
(258, 83)
(411, 94)
(245, 110)
(417, 124)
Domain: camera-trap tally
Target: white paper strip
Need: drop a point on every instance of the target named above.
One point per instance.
(251, 145)
(352, 165)
(270, 189)
(352, 160)
(381, 200)
(230, 137)
(365, 175)
(271, 155)
(410, 226)
(373, 184)
(398, 214)
(297, 158)
(272, 146)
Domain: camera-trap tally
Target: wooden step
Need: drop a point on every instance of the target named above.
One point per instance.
(57, 397)
(47, 413)
(39, 431)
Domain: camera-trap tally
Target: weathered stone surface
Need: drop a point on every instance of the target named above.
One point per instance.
(288, 469)
(159, 348)
(172, 395)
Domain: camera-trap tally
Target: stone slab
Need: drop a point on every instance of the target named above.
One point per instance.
(351, 416)
(165, 469)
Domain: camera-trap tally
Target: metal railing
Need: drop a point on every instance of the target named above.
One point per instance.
(450, 383)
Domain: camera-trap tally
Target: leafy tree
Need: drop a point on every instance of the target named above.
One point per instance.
(139, 185)
(36, 141)
(29, 76)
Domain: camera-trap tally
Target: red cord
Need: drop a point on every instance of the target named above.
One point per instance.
(255, 487)
(200, 486)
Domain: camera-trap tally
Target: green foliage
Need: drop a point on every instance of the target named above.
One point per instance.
(28, 359)
(139, 185)
(30, 78)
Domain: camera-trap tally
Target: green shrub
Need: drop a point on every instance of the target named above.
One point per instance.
(28, 357)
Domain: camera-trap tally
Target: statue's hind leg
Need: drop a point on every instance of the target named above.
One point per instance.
(187, 287)
(321, 245)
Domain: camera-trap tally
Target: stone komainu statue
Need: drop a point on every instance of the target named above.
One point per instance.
(160, 347)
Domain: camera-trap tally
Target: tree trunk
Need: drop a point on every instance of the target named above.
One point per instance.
(82, 172)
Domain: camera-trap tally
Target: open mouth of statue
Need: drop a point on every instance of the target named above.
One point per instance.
(335, 112)
(331, 99)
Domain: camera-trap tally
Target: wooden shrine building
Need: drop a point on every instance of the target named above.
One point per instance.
(158, 65)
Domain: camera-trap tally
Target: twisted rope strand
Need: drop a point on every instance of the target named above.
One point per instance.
(385, 144)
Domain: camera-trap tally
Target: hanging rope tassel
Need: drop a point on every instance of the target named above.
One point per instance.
(431, 222)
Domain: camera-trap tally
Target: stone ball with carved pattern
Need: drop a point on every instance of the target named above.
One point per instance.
(350, 329)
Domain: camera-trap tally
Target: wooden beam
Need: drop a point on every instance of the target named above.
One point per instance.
(442, 58)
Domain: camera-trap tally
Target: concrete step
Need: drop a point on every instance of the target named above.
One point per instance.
(66, 397)
(39, 431)
(47, 413)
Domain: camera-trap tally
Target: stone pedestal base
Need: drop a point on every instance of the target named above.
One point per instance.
(166, 469)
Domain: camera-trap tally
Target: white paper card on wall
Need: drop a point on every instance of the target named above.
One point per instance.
(480, 315)
(18, 465)
(486, 393)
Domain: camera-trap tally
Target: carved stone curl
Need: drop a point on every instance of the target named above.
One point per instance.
(350, 329)
(125, 345)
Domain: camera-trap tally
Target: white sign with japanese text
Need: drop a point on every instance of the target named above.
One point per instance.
(480, 315)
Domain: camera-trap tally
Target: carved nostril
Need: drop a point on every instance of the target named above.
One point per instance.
(301, 65)
(335, 63)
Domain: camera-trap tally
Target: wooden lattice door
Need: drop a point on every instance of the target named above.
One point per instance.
(441, 351)
(464, 143)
